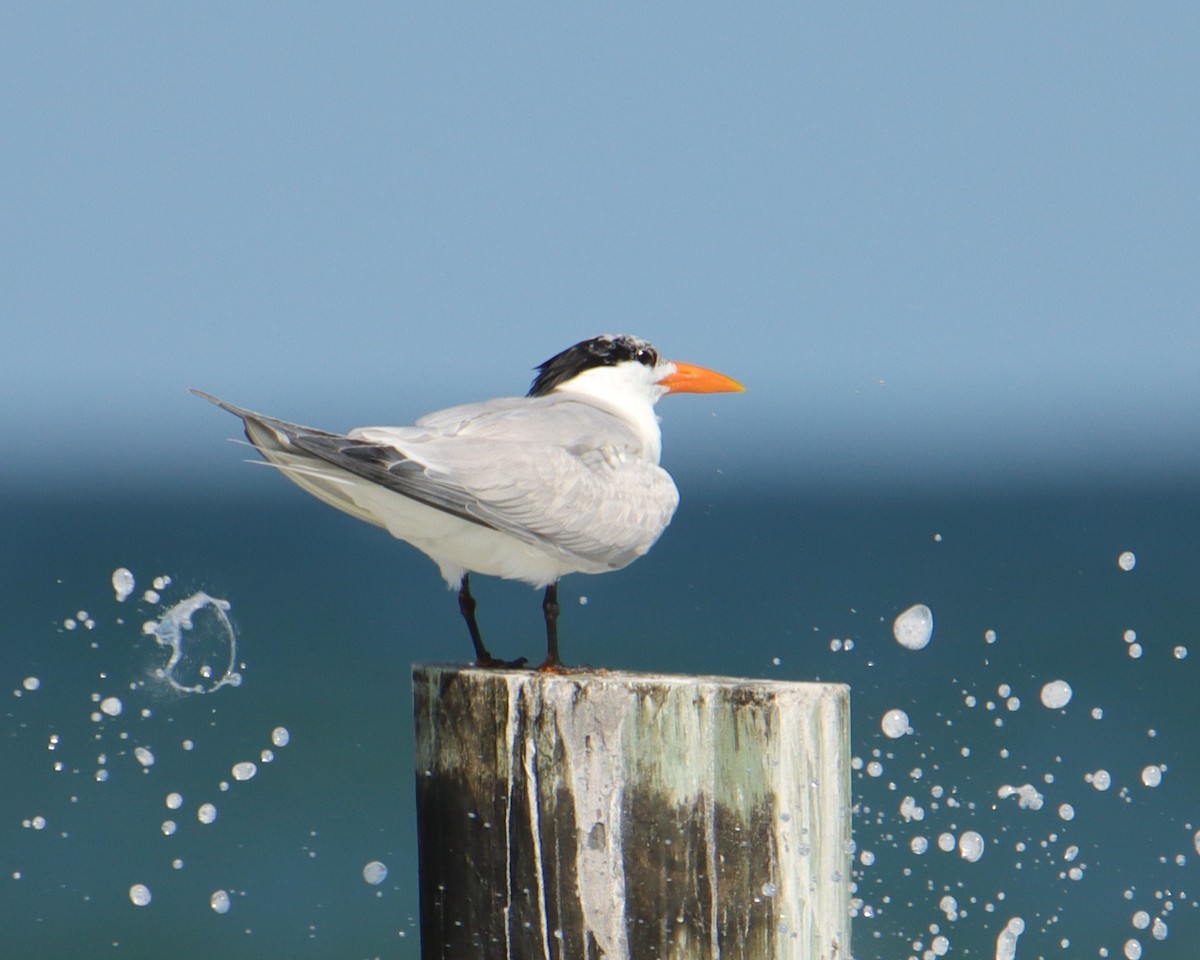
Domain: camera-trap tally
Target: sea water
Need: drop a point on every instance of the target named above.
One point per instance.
(205, 730)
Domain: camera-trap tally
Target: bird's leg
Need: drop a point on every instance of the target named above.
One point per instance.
(466, 606)
(550, 608)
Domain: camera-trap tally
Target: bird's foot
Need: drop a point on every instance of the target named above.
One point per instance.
(491, 663)
(555, 667)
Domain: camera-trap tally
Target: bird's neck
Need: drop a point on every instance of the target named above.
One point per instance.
(632, 402)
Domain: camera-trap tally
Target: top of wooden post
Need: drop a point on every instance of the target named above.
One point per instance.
(629, 815)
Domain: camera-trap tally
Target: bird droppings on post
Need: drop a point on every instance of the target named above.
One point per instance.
(624, 799)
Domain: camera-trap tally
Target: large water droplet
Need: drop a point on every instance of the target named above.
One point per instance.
(1056, 694)
(913, 628)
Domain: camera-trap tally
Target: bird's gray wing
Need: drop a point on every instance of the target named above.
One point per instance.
(564, 469)
(590, 504)
(299, 452)
(586, 500)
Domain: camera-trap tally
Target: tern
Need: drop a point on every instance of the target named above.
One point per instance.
(563, 480)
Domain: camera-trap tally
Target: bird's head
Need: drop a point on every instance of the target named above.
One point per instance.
(625, 364)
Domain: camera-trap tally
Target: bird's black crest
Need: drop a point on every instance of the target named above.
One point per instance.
(597, 352)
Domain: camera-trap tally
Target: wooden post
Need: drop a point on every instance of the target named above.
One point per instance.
(631, 816)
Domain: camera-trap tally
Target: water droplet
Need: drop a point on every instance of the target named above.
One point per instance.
(1006, 942)
(970, 846)
(913, 628)
(1027, 796)
(1056, 694)
(1127, 560)
(911, 810)
(894, 724)
(1152, 775)
(111, 706)
(244, 770)
(206, 813)
(219, 902)
(122, 583)
(139, 894)
(280, 736)
(375, 873)
(1101, 779)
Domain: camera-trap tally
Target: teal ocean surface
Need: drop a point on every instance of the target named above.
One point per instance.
(132, 824)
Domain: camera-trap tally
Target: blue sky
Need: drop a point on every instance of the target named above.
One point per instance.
(935, 241)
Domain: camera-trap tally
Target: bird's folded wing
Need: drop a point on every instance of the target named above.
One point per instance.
(604, 510)
(580, 500)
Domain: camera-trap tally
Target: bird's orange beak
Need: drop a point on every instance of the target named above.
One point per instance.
(691, 379)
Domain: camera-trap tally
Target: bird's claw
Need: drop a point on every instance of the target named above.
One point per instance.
(491, 663)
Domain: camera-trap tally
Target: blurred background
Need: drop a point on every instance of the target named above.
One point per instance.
(952, 254)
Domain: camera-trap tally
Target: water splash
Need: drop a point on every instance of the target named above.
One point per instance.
(202, 642)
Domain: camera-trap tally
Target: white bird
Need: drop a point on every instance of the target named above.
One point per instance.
(563, 480)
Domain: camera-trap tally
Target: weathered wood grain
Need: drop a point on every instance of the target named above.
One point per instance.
(631, 816)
